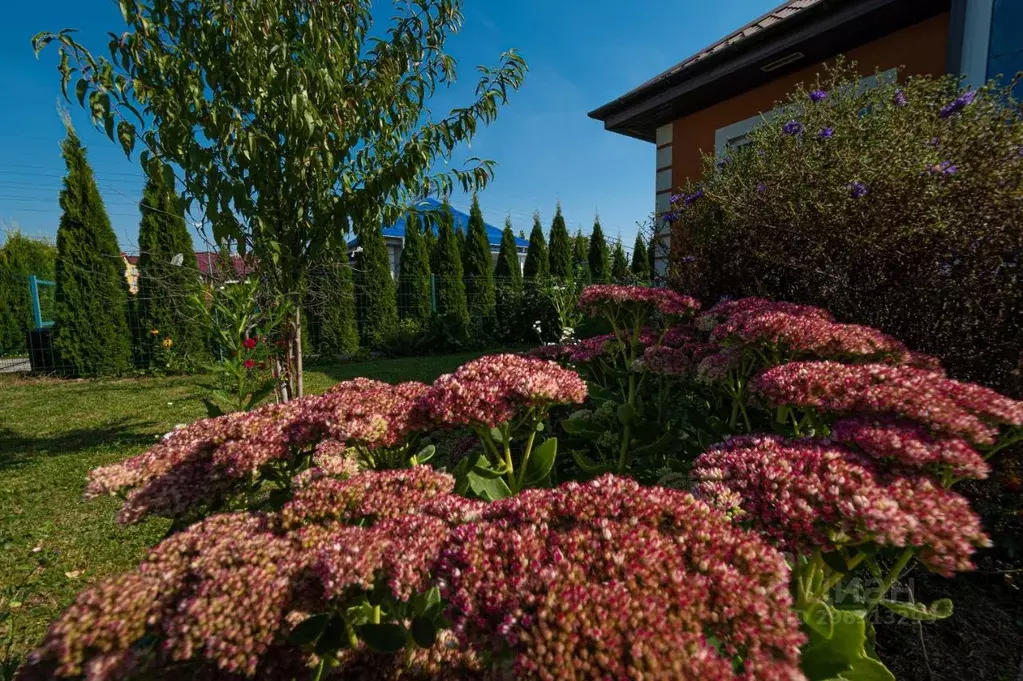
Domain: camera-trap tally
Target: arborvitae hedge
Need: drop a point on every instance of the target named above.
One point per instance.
(640, 259)
(165, 285)
(375, 300)
(560, 253)
(619, 263)
(330, 304)
(447, 273)
(20, 257)
(598, 256)
(508, 270)
(536, 265)
(414, 282)
(580, 258)
(478, 271)
(91, 335)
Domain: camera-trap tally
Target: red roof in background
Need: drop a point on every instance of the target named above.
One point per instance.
(209, 261)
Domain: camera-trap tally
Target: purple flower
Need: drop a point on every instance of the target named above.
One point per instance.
(935, 141)
(826, 133)
(793, 128)
(900, 98)
(687, 259)
(675, 198)
(761, 187)
(857, 189)
(818, 96)
(957, 104)
(691, 199)
(669, 217)
(724, 162)
(946, 167)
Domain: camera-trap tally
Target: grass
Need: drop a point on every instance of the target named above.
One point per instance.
(53, 432)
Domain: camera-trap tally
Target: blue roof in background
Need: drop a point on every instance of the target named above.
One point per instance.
(461, 223)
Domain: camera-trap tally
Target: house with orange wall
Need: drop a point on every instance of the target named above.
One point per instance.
(710, 100)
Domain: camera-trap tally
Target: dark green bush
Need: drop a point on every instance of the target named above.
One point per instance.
(478, 272)
(414, 283)
(376, 303)
(640, 259)
(536, 265)
(20, 257)
(598, 255)
(899, 206)
(330, 306)
(447, 270)
(559, 257)
(91, 333)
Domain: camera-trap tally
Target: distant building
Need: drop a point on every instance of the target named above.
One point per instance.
(394, 236)
(207, 263)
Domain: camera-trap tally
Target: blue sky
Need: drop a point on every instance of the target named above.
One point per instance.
(580, 55)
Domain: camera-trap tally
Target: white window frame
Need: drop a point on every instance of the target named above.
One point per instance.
(735, 135)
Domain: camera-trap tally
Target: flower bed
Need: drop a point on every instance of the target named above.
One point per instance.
(418, 531)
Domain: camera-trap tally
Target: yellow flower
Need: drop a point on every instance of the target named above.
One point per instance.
(154, 332)
(167, 342)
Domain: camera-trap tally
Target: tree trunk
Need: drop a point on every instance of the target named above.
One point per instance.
(297, 383)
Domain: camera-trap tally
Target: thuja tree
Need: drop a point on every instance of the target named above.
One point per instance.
(598, 255)
(414, 282)
(580, 258)
(508, 271)
(91, 335)
(375, 300)
(640, 259)
(168, 276)
(447, 272)
(291, 120)
(619, 263)
(560, 254)
(20, 257)
(478, 271)
(330, 302)
(536, 265)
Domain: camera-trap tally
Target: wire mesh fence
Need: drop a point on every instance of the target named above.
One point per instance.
(159, 317)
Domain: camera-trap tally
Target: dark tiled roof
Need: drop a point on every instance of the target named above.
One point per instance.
(785, 11)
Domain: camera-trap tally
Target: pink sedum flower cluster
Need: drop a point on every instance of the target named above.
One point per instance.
(491, 390)
(602, 580)
(944, 405)
(611, 580)
(911, 445)
(808, 494)
(607, 298)
(710, 318)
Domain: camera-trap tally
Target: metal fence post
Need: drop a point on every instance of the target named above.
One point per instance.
(433, 293)
(37, 311)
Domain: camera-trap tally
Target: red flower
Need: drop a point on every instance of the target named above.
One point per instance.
(249, 364)
(250, 343)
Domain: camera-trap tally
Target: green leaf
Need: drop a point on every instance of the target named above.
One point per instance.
(938, 610)
(582, 428)
(588, 465)
(484, 470)
(213, 409)
(309, 629)
(659, 446)
(627, 414)
(424, 632)
(843, 655)
(424, 455)
(836, 561)
(820, 617)
(541, 460)
(126, 136)
(489, 489)
(383, 638)
(333, 638)
(497, 435)
(427, 604)
(108, 125)
(81, 87)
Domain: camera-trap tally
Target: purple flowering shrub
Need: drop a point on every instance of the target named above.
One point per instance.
(897, 206)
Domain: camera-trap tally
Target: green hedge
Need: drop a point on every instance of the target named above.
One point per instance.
(898, 206)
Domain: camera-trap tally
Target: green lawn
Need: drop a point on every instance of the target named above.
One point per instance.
(53, 432)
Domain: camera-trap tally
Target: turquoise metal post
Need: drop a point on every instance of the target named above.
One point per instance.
(37, 312)
(433, 293)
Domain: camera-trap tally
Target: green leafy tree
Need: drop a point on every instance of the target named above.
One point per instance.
(560, 254)
(168, 277)
(414, 283)
(330, 304)
(451, 303)
(91, 335)
(20, 257)
(619, 263)
(598, 255)
(640, 259)
(536, 265)
(478, 271)
(508, 270)
(292, 121)
(580, 263)
(375, 297)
